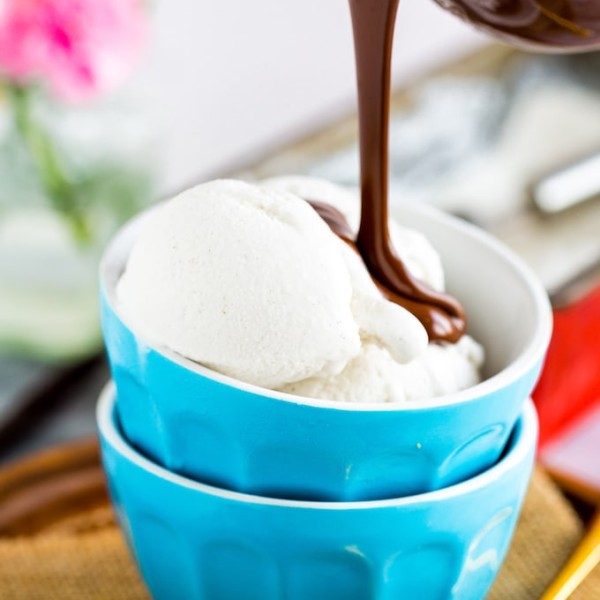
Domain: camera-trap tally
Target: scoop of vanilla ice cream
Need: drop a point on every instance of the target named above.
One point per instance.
(375, 374)
(246, 281)
(251, 282)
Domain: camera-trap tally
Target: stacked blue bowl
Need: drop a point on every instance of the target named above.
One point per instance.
(228, 491)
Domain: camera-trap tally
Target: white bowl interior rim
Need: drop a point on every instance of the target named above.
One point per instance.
(113, 262)
(525, 432)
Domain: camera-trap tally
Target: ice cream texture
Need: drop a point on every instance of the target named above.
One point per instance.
(248, 280)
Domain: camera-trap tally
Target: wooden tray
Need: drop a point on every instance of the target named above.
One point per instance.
(40, 491)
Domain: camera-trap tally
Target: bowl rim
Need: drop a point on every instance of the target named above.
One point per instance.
(522, 443)
(531, 354)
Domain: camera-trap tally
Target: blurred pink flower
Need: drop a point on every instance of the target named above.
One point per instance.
(78, 48)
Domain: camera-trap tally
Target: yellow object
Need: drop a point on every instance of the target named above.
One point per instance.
(579, 566)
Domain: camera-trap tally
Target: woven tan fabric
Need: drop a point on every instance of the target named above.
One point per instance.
(93, 565)
(85, 557)
(546, 535)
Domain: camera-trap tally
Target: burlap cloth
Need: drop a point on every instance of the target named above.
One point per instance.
(85, 558)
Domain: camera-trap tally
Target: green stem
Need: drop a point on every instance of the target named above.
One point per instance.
(52, 175)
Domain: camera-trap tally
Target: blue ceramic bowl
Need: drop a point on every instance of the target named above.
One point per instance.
(193, 541)
(210, 427)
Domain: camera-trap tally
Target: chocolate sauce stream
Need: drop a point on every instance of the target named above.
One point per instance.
(443, 317)
(434, 321)
(555, 25)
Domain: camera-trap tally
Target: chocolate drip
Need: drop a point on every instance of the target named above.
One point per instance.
(545, 24)
(335, 219)
(443, 317)
(423, 303)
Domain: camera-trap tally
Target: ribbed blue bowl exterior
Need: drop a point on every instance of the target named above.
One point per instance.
(196, 543)
(209, 430)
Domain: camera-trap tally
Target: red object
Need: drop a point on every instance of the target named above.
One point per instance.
(570, 381)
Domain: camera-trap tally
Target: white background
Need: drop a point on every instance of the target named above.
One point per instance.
(227, 79)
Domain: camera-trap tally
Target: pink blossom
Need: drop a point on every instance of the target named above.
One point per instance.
(78, 48)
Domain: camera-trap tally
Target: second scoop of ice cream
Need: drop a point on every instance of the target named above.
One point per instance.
(375, 375)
